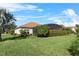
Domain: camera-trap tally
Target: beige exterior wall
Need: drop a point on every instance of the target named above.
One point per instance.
(74, 30)
(30, 31)
(17, 31)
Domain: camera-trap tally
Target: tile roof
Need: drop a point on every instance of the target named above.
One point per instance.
(30, 25)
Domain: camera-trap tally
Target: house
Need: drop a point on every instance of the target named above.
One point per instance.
(29, 27)
(72, 28)
(54, 26)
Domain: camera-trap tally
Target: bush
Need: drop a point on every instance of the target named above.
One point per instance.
(23, 33)
(58, 32)
(11, 32)
(69, 31)
(41, 31)
(74, 49)
(77, 30)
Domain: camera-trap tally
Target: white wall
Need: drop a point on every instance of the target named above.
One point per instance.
(30, 31)
(74, 30)
(17, 31)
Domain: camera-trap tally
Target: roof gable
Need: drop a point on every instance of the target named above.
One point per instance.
(30, 25)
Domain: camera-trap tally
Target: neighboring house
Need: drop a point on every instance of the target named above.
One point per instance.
(54, 26)
(73, 28)
(29, 27)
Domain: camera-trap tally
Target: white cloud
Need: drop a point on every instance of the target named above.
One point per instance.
(18, 18)
(55, 17)
(42, 16)
(12, 7)
(68, 14)
(72, 15)
(18, 7)
(68, 24)
(32, 7)
(59, 21)
(56, 20)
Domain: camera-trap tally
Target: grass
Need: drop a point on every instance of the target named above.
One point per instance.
(34, 46)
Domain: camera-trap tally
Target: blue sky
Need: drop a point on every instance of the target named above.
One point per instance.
(42, 13)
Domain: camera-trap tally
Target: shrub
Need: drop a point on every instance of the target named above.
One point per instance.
(69, 31)
(74, 49)
(77, 30)
(23, 33)
(11, 32)
(58, 32)
(42, 31)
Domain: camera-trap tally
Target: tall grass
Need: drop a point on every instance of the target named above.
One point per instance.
(33, 46)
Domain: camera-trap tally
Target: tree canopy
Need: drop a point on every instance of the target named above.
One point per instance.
(6, 19)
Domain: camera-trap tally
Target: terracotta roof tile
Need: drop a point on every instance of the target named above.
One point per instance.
(30, 25)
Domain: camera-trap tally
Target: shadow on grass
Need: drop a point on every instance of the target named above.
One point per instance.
(71, 53)
(14, 38)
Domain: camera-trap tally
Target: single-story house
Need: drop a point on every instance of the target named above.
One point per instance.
(28, 27)
(54, 26)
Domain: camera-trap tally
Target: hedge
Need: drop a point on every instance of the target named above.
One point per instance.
(59, 32)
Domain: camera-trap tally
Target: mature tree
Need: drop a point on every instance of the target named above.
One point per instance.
(6, 19)
(10, 28)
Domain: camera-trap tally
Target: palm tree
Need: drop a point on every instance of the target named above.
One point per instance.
(6, 18)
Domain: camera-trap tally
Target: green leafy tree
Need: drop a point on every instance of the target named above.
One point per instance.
(10, 28)
(6, 18)
(42, 31)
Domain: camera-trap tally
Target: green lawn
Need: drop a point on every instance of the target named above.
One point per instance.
(53, 46)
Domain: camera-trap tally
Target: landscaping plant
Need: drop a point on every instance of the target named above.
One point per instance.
(23, 33)
(42, 31)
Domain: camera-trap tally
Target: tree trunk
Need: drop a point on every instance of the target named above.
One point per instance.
(0, 37)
